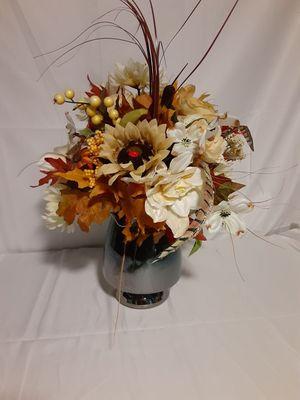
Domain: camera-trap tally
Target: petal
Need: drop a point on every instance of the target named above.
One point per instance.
(178, 225)
(213, 225)
(178, 148)
(234, 225)
(107, 169)
(181, 162)
(240, 204)
(196, 178)
(115, 177)
(157, 214)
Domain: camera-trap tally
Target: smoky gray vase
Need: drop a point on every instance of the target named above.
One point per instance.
(144, 284)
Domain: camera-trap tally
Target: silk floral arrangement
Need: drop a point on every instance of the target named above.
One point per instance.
(152, 153)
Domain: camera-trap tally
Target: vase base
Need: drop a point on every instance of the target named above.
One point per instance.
(143, 301)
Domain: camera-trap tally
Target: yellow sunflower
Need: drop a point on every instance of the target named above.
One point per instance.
(134, 150)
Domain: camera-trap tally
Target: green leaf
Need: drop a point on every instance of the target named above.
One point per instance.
(196, 247)
(133, 116)
(225, 190)
(86, 132)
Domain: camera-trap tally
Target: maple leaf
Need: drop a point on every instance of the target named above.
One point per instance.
(59, 165)
(49, 177)
(76, 175)
(225, 189)
(100, 188)
(75, 204)
(96, 90)
(122, 105)
(95, 213)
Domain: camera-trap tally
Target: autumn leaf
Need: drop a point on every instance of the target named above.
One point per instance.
(67, 207)
(49, 177)
(75, 204)
(239, 130)
(134, 211)
(58, 165)
(200, 236)
(100, 188)
(76, 175)
(122, 105)
(96, 213)
(96, 90)
(144, 100)
(225, 190)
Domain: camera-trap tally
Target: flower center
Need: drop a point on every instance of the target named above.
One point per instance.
(135, 152)
(225, 213)
(186, 141)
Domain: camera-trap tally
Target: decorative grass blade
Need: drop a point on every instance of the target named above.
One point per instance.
(211, 46)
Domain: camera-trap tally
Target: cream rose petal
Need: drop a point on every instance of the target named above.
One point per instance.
(183, 206)
(157, 214)
(178, 225)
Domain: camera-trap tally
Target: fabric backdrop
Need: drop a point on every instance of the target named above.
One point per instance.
(252, 72)
(216, 337)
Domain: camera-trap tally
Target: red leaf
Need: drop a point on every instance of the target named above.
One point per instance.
(46, 179)
(200, 236)
(95, 90)
(58, 164)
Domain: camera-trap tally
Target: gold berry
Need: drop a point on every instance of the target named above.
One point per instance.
(95, 101)
(90, 111)
(108, 102)
(59, 98)
(69, 93)
(97, 119)
(113, 114)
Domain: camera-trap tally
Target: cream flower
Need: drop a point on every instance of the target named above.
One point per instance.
(52, 220)
(175, 195)
(195, 120)
(186, 104)
(134, 150)
(225, 217)
(215, 146)
(133, 74)
(186, 139)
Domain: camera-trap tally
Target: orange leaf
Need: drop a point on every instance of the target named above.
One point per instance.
(144, 100)
(100, 188)
(76, 175)
(76, 204)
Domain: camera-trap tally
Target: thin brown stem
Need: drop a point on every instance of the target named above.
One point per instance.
(211, 46)
(82, 44)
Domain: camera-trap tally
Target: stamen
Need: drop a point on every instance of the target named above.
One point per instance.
(225, 213)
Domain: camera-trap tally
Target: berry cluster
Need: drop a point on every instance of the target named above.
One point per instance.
(90, 173)
(90, 106)
(94, 143)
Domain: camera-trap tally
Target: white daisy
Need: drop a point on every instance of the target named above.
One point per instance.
(52, 220)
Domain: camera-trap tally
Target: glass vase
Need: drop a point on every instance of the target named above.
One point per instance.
(142, 283)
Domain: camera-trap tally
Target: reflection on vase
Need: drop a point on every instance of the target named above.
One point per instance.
(144, 284)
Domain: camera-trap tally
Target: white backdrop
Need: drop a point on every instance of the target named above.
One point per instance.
(216, 337)
(252, 72)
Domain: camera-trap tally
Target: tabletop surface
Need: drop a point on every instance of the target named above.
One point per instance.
(216, 338)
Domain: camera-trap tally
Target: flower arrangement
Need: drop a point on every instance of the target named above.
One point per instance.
(153, 154)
